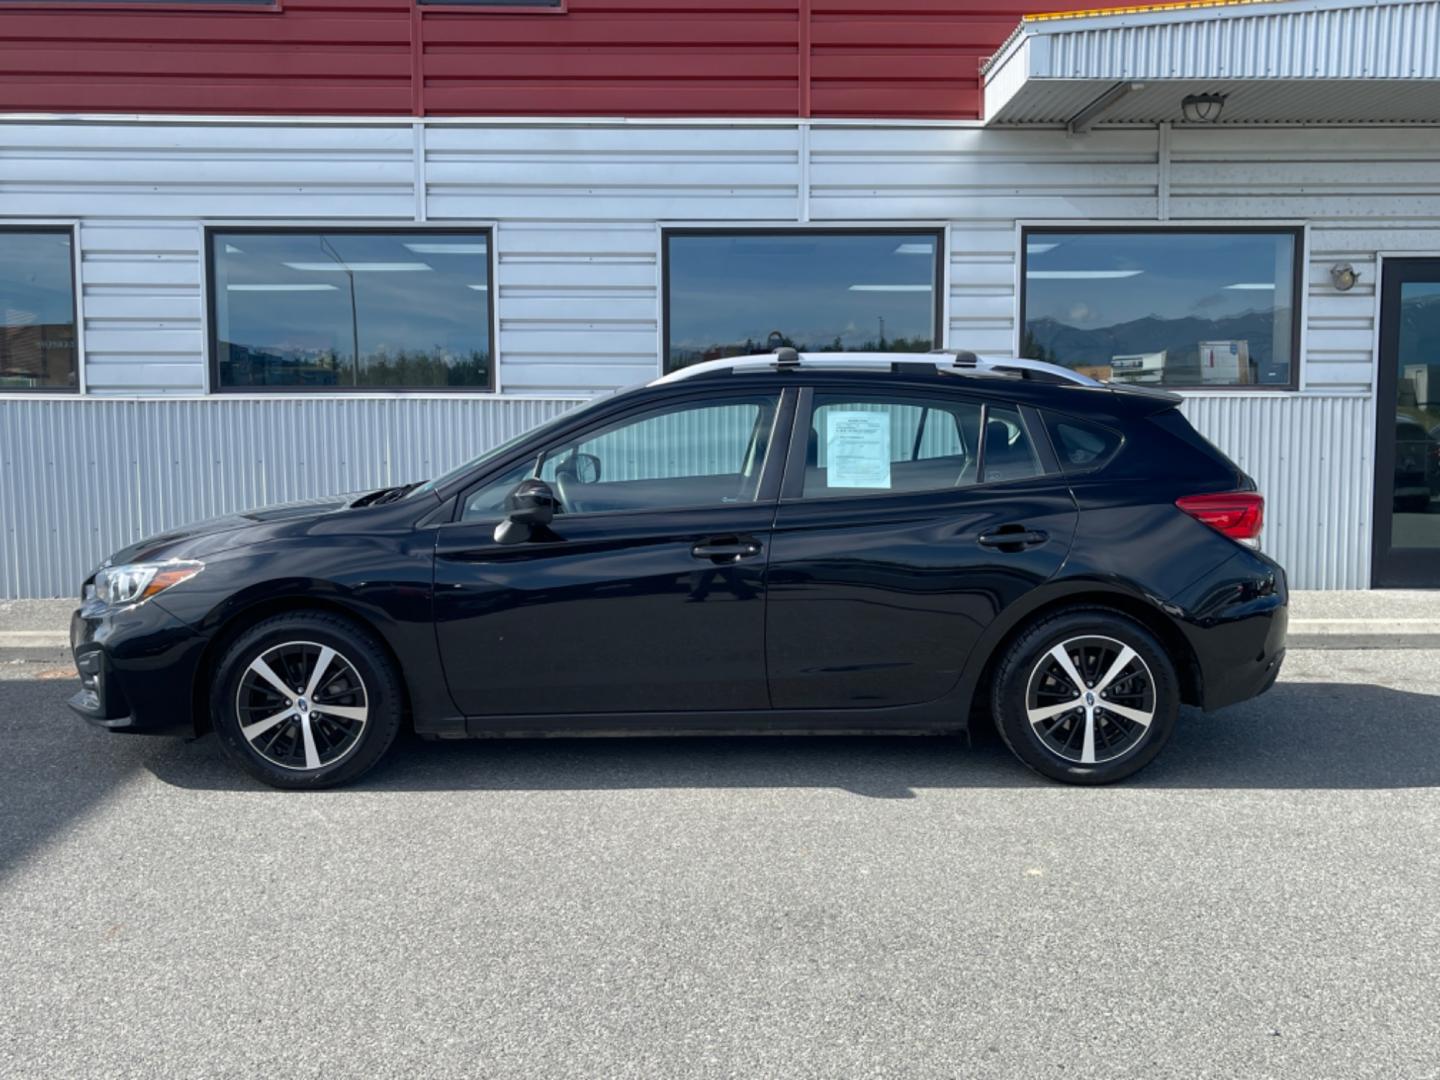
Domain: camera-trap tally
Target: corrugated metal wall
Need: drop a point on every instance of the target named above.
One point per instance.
(1312, 456)
(81, 478)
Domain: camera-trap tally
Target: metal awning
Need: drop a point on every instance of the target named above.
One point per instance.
(1284, 61)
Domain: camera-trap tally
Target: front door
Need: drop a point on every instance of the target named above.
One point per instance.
(647, 592)
(1407, 448)
(908, 522)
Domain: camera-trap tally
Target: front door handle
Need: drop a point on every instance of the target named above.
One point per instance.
(1012, 539)
(727, 549)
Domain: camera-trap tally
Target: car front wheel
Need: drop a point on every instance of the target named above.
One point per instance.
(1087, 696)
(306, 700)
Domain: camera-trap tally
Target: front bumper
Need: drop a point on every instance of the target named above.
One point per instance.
(136, 666)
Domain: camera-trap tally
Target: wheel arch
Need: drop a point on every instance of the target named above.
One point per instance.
(236, 622)
(1003, 634)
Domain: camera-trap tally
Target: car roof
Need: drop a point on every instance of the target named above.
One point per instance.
(924, 372)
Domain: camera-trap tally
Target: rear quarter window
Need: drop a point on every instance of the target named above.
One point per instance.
(1081, 445)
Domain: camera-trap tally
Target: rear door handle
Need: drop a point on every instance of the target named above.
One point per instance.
(1012, 540)
(727, 549)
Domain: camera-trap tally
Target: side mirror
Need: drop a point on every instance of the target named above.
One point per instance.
(532, 503)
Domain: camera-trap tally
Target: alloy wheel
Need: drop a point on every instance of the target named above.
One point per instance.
(1090, 700)
(302, 705)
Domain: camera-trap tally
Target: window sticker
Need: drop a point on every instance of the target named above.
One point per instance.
(857, 449)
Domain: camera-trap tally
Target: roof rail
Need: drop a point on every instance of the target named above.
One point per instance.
(1025, 368)
(786, 359)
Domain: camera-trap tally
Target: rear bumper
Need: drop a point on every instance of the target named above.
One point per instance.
(1236, 622)
(136, 667)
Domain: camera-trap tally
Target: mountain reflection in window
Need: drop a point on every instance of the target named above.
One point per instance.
(342, 310)
(1168, 308)
(735, 293)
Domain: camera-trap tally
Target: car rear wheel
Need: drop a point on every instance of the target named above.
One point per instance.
(306, 700)
(1087, 696)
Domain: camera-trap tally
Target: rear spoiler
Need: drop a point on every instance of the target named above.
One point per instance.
(1166, 397)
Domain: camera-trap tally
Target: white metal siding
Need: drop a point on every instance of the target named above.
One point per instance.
(578, 304)
(874, 173)
(143, 306)
(620, 173)
(230, 170)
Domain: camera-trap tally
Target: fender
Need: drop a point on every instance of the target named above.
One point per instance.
(1052, 594)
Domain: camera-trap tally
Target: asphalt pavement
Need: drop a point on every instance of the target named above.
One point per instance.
(1260, 902)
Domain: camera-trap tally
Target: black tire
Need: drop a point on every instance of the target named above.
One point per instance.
(318, 749)
(1030, 680)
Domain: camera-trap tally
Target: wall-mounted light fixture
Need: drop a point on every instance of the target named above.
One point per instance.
(1202, 108)
(1344, 276)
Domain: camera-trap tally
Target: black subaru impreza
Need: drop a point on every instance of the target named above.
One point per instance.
(786, 543)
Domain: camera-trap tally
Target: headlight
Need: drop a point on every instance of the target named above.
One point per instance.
(134, 583)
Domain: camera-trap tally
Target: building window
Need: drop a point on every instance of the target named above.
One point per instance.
(350, 309)
(1167, 307)
(734, 293)
(37, 304)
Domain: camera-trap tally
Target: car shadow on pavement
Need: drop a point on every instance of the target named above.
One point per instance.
(1306, 735)
(1300, 735)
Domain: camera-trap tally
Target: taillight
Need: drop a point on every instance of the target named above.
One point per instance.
(1240, 515)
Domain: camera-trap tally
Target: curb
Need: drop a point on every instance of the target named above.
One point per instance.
(34, 639)
(1364, 634)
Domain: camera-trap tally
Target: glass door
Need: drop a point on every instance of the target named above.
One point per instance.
(1407, 445)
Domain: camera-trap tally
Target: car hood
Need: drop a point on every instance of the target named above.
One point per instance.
(214, 534)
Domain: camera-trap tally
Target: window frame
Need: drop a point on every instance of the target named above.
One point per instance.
(771, 470)
(76, 316)
(1297, 312)
(792, 485)
(212, 326)
(937, 232)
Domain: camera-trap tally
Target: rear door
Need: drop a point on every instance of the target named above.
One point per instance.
(907, 522)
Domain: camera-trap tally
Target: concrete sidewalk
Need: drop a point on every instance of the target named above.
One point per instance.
(1381, 619)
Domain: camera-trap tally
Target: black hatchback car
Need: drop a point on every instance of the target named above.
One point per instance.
(858, 543)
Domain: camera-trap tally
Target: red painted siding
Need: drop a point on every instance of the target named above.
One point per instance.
(881, 58)
(632, 57)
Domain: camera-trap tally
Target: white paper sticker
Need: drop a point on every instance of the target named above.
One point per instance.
(857, 449)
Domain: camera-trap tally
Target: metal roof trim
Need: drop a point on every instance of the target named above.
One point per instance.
(1228, 43)
(1056, 23)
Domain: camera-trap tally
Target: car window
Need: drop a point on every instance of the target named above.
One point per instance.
(1009, 454)
(487, 503)
(866, 445)
(1081, 445)
(693, 454)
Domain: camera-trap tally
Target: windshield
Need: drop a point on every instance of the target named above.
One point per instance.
(496, 452)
